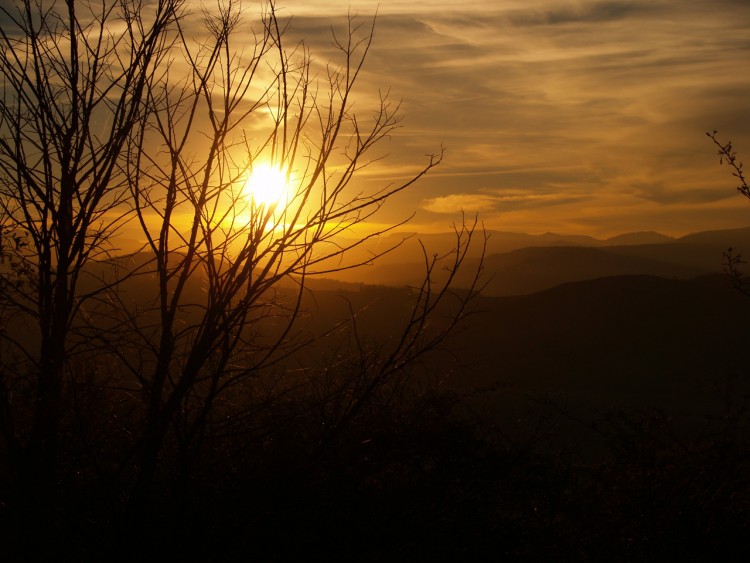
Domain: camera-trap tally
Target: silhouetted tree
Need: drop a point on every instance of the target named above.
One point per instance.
(728, 155)
(253, 257)
(74, 79)
(733, 261)
(148, 113)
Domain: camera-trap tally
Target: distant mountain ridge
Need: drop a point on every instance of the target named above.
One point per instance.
(641, 237)
(504, 241)
(517, 263)
(521, 264)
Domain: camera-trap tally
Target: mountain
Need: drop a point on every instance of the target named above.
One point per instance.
(636, 341)
(735, 238)
(517, 263)
(408, 247)
(640, 341)
(533, 269)
(530, 270)
(521, 264)
(644, 237)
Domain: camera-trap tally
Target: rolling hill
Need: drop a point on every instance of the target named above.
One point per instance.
(529, 264)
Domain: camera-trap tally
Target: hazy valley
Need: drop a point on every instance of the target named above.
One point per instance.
(517, 264)
(597, 325)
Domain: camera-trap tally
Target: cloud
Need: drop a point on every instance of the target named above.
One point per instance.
(597, 101)
(499, 201)
(571, 101)
(471, 203)
(591, 12)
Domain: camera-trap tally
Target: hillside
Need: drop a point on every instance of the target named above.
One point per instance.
(621, 336)
(522, 264)
(580, 405)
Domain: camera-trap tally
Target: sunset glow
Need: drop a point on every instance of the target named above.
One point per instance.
(374, 280)
(267, 185)
(583, 116)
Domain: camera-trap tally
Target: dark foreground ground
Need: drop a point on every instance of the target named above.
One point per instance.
(420, 484)
(602, 421)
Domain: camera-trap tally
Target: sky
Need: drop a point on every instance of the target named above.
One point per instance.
(569, 116)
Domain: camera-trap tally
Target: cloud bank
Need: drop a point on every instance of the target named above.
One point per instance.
(595, 111)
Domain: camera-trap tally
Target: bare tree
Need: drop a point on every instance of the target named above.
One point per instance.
(733, 261)
(203, 221)
(119, 112)
(74, 76)
(728, 155)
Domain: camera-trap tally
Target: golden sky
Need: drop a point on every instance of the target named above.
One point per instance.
(571, 116)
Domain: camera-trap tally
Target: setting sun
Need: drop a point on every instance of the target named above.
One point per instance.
(267, 185)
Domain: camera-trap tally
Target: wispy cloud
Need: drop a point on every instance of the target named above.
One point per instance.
(459, 202)
(607, 100)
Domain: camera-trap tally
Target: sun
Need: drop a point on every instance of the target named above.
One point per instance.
(267, 185)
